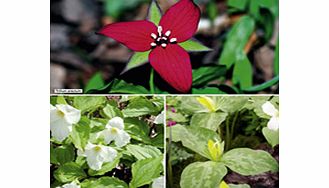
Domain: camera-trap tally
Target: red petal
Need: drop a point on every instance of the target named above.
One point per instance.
(135, 35)
(181, 19)
(173, 65)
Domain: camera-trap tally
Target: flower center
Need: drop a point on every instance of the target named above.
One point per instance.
(161, 39)
(114, 130)
(60, 113)
(97, 148)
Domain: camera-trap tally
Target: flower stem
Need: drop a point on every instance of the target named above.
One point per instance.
(233, 124)
(227, 134)
(169, 167)
(152, 81)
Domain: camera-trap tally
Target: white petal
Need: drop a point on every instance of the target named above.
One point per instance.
(269, 109)
(160, 118)
(71, 185)
(122, 139)
(72, 115)
(94, 160)
(109, 153)
(116, 122)
(273, 124)
(54, 115)
(60, 129)
(158, 182)
(108, 135)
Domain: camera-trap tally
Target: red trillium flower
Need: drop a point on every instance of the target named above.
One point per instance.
(167, 57)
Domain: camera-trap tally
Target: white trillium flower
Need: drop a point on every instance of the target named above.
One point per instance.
(269, 109)
(62, 117)
(160, 118)
(70, 185)
(97, 155)
(115, 131)
(158, 182)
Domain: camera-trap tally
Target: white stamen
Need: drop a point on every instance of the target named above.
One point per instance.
(154, 36)
(160, 30)
(158, 39)
(164, 38)
(168, 33)
(173, 40)
(164, 45)
(153, 44)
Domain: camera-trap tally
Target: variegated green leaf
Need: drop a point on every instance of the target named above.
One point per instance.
(271, 136)
(208, 120)
(247, 162)
(194, 138)
(203, 175)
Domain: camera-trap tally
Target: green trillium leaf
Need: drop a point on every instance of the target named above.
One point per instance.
(271, 136)
(136, 60)
(203, 175)
(194, 46)
(242, 73)
(145, 170)
(154, 13)
(247, 162)
(108, 182)
(95, 82)
(69, 172)
(206, 74)
(194, 138)
(237, 40)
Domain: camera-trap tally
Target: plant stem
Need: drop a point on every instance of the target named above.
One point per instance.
(169, 169)
(233, 124)
(227, 134)
(152, 81)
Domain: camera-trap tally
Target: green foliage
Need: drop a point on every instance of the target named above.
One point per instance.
(104, 182)
(204, 75)
(95, 82)
(208, 90)
(246, 161)
(194, 138)
(120, 86)
(114, 8)
(111, 111)
(145, 170)
(140, 106)
(69, 172)
(194, 46)
(154, 14)
(60, 100)
(242, 73)
(208, 120)
(271, 136)
(85, 103)
(143, 151)
(80, 133)
(262, 86)
(236, 41)
(62, 154)
(203, 175)
(237, 5)
(239, 186)
(138, 59)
